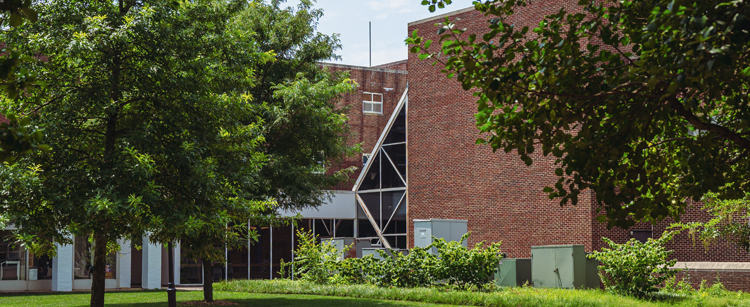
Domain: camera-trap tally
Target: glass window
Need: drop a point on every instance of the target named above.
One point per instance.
(642, 235)
(40, 266)
(191, 270)
(397, 134)
(372, 103)
(372, 177)
(12, 258)
(83, 265)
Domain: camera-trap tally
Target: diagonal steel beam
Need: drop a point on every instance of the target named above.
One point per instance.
(372, 221)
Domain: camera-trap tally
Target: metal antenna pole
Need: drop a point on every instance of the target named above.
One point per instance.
(370, 25)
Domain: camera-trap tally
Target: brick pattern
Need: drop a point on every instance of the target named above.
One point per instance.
(366, 128)
(685, 248)
(451, 177)
(732, 280)
(398, 65)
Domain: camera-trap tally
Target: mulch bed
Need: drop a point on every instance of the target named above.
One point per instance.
(214, 303)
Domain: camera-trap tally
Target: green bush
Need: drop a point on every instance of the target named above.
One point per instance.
(417, 269)
(314, 262)
(455, 265)
(635, 268)
(464, 267)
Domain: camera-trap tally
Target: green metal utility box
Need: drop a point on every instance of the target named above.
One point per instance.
(562, 266)
(513, 272)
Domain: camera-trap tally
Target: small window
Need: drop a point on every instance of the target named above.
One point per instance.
(365, 157)
(642, 235)
(372, 103)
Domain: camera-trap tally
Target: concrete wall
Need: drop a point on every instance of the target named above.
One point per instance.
(341, 206)
(124, 259)
(62, 269)
(151, 265)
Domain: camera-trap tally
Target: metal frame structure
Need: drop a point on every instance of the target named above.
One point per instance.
(378, 160)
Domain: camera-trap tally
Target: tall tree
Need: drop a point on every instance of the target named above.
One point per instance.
(643, 102)
(303, 132)
(305, 135)
(130, 100)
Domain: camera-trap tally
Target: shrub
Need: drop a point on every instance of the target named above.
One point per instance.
(318, 263)
(417, 269)
(464, 267)
(454, 265)
(635, 268)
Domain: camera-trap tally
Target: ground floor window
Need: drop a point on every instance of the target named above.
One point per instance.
(83, 265)
(12, 258)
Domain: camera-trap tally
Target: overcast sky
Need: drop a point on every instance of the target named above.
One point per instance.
(389, 21)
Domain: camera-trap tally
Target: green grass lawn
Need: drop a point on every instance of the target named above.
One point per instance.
(292, 293)
(159, 298)
(525, 296)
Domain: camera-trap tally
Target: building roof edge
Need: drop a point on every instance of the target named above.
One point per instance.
(471, 8)
(374, 68)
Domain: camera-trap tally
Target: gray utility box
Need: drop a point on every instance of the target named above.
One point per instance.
(512, 272)
(563, 266)
(339, 244)
(450, 230)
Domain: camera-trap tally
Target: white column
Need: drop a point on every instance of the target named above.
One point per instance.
(151, 268)
(176, 256)
(124, 260)
(62, 268)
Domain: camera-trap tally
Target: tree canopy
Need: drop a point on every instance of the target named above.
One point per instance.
(148, 129)
(17, 135)
(643, 102)
(180, 119)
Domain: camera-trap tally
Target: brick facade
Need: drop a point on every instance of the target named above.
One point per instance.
(453, 178)
(732, 280)
(366, 128)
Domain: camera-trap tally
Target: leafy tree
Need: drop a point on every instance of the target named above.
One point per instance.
(219, 184)
(133, 111)
(643, 102)
(306, 132)
(303, 132)
(17, 135)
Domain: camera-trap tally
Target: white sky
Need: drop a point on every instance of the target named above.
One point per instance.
(389, 26)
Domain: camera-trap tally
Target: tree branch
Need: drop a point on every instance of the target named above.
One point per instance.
(697, 123)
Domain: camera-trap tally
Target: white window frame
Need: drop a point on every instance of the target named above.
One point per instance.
(372, 103)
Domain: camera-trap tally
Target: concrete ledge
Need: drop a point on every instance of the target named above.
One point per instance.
(713, 266)
(374, 68)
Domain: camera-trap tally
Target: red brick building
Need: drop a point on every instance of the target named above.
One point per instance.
(452, 178)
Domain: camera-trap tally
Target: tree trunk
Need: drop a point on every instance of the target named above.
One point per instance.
(97, 281)
(208, 281)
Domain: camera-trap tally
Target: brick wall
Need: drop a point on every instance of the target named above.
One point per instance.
(451, 177)
(732, 280)
(398, 65)
(366, 128)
